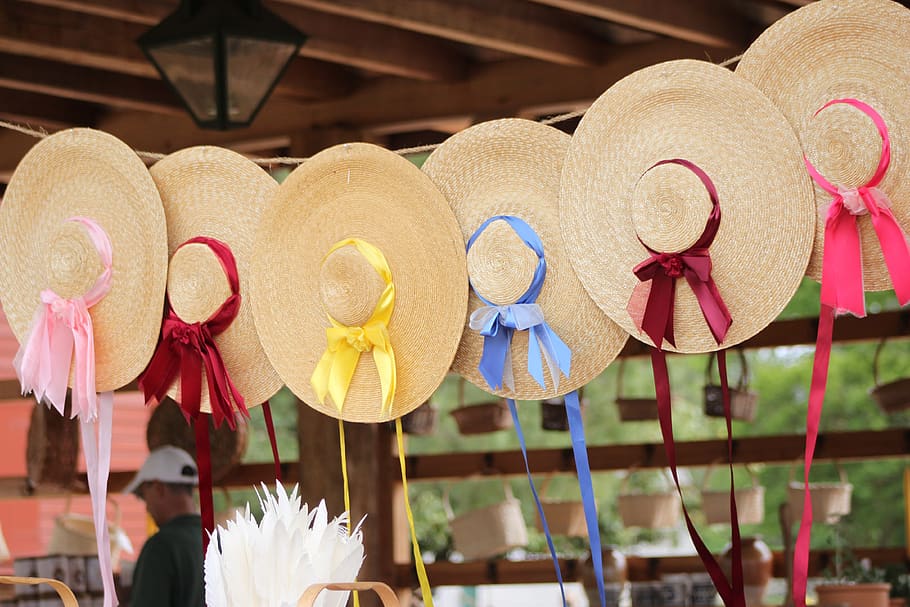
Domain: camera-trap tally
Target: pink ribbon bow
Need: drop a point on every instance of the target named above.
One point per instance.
(842, 263)
(663, 270)
(60, 334)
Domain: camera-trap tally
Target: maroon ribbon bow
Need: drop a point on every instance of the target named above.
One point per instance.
(185, 348)
(663, 270)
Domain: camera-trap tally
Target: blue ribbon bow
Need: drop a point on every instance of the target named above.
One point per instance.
(498, 323)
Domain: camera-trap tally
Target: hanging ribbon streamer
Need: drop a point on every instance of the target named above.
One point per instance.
(183, 351)
(663, 270)
(61, 335)
(273, 442)
(543, 519)
(346, 487)
(842, 291)
(335, 369)
(498, 324)
(422, 579)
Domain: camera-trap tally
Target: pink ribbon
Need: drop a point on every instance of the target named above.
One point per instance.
(842, 263)
(61, 335)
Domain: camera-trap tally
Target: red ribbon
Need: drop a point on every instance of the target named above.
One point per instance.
(663, 270)
(185, 348)
(273, 442)
(842, 291)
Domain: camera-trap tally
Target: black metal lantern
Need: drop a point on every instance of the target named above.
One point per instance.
(222, 57)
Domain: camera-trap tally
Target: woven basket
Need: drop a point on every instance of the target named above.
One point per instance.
(74, 534)
(893, 396)
(490, 531)
(52, 450)
(167, 426)
(563, 517)
(482, 418)
(553, 412)
(750, 502)
(743, 403)
(633, 409)
(648, 510)
(830, 501)
(421, 421)
(386, 595)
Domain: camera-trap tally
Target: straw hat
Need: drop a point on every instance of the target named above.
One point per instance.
(82, 172)
(612, 195)
(835, 49)
(210, 191)
(359, 191)
(512, 167)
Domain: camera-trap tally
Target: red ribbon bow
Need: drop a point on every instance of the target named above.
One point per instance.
(185, 348)
(842, 263)
(663, 270)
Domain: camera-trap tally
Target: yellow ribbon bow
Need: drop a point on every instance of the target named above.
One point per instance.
(336, 368)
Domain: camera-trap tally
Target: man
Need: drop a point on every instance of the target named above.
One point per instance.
(169, 570)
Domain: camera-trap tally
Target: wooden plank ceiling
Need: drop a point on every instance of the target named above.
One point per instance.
(397, 72)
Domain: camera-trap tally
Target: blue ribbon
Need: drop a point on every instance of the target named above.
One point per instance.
(543, 519)
(498, 323)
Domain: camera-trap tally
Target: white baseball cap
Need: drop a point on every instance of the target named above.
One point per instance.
(167, 464)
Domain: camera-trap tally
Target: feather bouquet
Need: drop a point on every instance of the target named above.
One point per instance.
(271, 563)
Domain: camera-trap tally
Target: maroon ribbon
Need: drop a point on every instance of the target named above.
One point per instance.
(694, 263)
(270, 428)
(183, 350)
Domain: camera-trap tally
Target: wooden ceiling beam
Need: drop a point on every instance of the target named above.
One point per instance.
(50, 112)
(108, 44)
(363, 45)
(87, 84)
(504, 26)
(700, 21)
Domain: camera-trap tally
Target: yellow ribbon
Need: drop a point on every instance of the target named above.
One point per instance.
(422, 579)
(336, 368)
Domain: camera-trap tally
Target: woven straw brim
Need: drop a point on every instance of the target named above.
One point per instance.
(833, 50)
(512, 167)
(210, 191)
(361, 191)
(95, 175)
(705, 114)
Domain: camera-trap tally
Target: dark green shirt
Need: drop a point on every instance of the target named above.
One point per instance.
(169, 570)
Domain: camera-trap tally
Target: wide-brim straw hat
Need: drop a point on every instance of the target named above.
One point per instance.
(83, 172)
(360, 191)
(512, 167)
(612, 195)
(210, 191)
(835, 49)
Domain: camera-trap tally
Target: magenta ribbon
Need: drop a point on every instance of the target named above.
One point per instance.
(61, 335)
(842, 263)
(842, 291)
(663, 270)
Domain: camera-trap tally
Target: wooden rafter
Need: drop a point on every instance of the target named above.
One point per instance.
(505, 25)
(44, 110)
(369, 46)
(703, 21)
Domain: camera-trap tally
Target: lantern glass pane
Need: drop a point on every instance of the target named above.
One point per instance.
(252, 67)
(189, 65)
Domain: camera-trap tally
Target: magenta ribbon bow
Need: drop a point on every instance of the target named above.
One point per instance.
(842, 263)
(185, 348)
(61, 334)
(663, 270)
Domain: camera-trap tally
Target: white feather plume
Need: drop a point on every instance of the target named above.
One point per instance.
(271, 563)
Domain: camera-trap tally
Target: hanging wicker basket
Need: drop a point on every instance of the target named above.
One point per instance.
(565, 518)
(893, 396)
(421, 421)
(386, 595)
(750, 502)
(487, 532)
(648, 510)
(830, 501)
(482, 418)
(743, 403)
(167, 426)
(553, 412)
(633, 409)
(52, 450)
